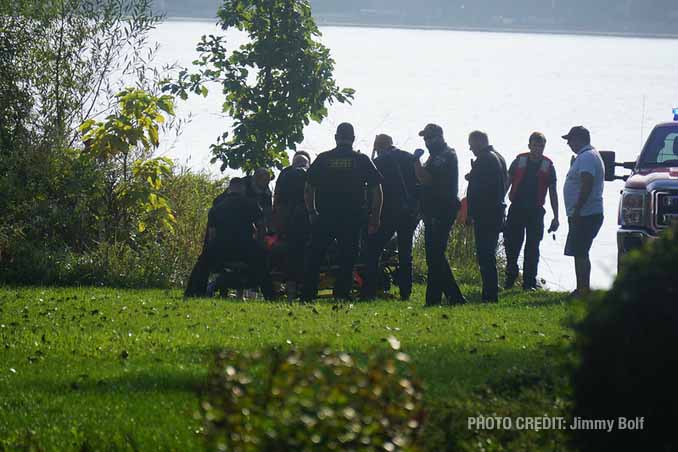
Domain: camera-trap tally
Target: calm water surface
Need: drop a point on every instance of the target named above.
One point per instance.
(506, 84)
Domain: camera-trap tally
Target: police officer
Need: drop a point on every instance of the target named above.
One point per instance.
(257, 188)
(439, 179)
(292, 218)
(531, 176)
(230, 234)
(487, 185)
(399, 215)
(337, 181)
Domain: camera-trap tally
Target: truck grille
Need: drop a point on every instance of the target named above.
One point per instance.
(666, 209)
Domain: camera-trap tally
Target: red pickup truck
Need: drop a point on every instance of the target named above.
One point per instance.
(649, 201)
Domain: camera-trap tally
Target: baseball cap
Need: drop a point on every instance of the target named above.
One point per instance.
(431, 130)
(578, 132)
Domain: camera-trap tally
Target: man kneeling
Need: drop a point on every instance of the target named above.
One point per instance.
(230, 238)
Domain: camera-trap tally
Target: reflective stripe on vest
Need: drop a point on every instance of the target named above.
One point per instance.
(542, 178)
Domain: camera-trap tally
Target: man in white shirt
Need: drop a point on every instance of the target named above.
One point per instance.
(583, 193)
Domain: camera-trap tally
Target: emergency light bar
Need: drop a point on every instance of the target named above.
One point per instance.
(675, 114)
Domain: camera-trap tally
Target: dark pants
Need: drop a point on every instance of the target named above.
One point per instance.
(440, 278)
(213, 259)
(487, 237)
(346, 229)
(295, 232)
(404, 227)
(524, 225)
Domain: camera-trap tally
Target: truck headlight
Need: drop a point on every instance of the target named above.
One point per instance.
(632, 212)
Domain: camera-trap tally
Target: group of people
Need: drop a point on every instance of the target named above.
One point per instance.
(348, 197)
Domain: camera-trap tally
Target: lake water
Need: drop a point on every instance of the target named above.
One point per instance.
(506, 84)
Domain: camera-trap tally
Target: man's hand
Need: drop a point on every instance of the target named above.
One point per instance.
(418, 153)
(555, 224)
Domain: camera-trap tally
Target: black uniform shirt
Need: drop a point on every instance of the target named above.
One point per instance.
(289, 190)
(487, 186)
(232, 218)
(440, 199)
(340, 177)
(400, 182)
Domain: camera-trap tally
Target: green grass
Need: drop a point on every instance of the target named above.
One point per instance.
(124, 368)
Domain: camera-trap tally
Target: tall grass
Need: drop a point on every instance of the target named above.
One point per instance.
(461, 253)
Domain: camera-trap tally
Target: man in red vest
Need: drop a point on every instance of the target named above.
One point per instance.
(531, 175)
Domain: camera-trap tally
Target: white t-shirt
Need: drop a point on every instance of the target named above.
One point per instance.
(588, 161)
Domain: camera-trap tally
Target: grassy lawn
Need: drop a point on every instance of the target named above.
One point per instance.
(102, 366)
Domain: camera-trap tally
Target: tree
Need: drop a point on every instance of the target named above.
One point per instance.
(124, 145)
(61, 62)
(275, 84)
(64, 56)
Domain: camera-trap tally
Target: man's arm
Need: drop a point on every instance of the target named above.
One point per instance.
(511, 174)
(276, 195)
(423, 175)
(376, 200)
(553, 195)
(309, 200)
(586, 189)
(454, 176)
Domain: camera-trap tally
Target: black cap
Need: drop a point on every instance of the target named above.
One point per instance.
(345, 130)
(431, 130)
(578, 132)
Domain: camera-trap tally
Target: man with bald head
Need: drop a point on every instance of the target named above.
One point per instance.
(399, 216)
(487, 184)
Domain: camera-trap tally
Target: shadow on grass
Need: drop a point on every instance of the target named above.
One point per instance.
(460, 382)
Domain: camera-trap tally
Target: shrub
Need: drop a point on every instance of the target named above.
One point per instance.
(311, 399)
(627, 359)
(146, 259)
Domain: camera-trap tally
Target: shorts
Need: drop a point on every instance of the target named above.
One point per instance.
(582, 232)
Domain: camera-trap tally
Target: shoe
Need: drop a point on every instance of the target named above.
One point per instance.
(577, 294)
(510, 281)
(530, 288)
(490, 300)
(431, 305)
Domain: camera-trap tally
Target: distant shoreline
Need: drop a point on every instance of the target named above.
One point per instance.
(323, 23)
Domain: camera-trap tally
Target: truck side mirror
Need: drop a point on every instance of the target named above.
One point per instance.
(608, 160)
(610, 165)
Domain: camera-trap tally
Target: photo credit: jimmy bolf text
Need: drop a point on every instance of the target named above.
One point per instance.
(539, 423)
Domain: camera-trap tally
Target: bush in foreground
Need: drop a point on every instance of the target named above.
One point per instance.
(312, 399)
(628, 359)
